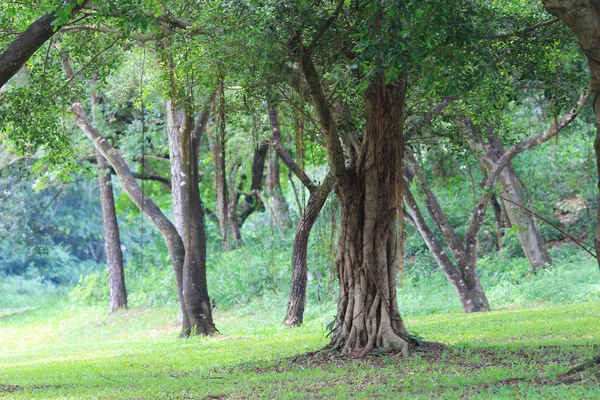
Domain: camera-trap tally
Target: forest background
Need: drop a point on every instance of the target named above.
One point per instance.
(498, 176)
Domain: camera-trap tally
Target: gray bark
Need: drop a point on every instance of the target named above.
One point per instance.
(529, 237)
(189, 217)
(148, 207)
(112, 240)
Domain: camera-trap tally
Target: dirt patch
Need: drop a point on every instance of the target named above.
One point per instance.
(17, 388)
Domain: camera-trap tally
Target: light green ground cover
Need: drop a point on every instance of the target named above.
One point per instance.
(84, 354)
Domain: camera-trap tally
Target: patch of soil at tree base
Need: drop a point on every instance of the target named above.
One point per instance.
(327, 356)
(16, 388)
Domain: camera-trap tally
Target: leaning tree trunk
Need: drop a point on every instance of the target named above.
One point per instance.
(31, 39)
(148, 207)
(316, 201)
(297, 297)
(462, 276)
(112, 241)
(189, 219)
(368, 316)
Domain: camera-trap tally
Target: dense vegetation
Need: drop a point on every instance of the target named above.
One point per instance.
(362, 171)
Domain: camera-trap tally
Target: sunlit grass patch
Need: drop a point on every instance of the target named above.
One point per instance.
(84, 353)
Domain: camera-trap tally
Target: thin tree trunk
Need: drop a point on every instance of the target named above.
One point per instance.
(316, 201)
(472, 298)
(148, 207)
(112, 240)
(529, 237)
(462, 275)
(217, 146)
(297, 298)
(278, 202)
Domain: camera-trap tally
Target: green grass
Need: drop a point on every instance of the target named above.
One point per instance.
(83, 353)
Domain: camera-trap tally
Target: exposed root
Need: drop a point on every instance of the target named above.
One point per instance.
(583, 372)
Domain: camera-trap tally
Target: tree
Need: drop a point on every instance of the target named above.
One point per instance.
(582, 18)
(316, 201)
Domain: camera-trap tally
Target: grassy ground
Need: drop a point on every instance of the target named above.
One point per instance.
(76, 353)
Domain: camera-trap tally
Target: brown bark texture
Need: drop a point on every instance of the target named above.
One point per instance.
(318, 196)
(28, 42)
(583, 18)
(112, 240)
(217, 143)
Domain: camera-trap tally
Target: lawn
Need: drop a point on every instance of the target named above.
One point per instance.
(74, 353)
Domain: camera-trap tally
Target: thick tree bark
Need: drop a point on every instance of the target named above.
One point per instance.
(112, 240)
(583, 18)
(28, 42)
(529, 237)
(189, 218)
(368, 317)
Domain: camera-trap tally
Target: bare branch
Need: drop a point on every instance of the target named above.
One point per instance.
(525, 31)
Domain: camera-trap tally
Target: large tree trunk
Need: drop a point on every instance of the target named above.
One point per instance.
(114, 255)
(368, 317)
(529, 237)
(583, 18)
(189, 219)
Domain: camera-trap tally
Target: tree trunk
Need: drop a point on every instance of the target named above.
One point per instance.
(529, 237)
(114, 255)
(583, 18)
(368, 317)
(463, 277)
(296, 300)
(278, 202)
(472, 295)
(316, 201)
(28, 42)
(148, 207)
(189, 219)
